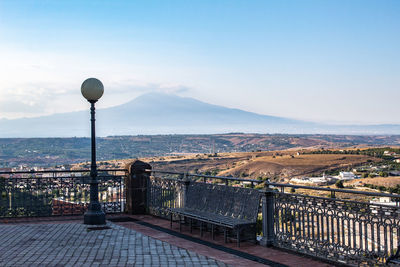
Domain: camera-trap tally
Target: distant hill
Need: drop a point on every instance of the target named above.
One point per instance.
(157, 113)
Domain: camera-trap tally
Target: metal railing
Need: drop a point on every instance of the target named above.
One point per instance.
(336, 224)
(58, 192)
(164, 193)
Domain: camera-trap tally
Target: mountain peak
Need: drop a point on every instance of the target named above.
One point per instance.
(162, 113)
(155, 95)
(164, 102)
(160, 97)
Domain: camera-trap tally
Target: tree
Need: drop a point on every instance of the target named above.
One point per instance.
(339, 184)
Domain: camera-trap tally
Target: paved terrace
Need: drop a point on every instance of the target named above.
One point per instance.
(129, 241)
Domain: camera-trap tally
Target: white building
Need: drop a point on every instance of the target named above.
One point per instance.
(389, 153)
(384, 200)
(346, 176)
(324, 180)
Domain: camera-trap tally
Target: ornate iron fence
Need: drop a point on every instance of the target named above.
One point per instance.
(354, 232)
(336, 227)
(164, 193)
(58, 193)
(341, 230)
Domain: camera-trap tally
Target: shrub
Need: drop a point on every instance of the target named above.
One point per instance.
(259, 224)
(259, 186)
(339, 184)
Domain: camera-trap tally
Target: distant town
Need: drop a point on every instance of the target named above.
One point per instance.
(52, 152)
(367, 163)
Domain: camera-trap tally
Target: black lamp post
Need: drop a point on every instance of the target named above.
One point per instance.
(92, 89)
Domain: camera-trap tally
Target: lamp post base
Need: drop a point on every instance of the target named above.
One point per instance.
(94, 217)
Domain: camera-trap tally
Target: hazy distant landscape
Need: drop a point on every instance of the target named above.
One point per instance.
(160, 113)
(53, 151)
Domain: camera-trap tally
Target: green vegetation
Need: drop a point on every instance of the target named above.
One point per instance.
(331, 172)
(244, 175)
(213, 172)
(39, 205)
(53, 151)
(383, 174)
(373, 152)
(339, 184)
(259, 186)
(392, 190)
(387, 159)
(259, 224)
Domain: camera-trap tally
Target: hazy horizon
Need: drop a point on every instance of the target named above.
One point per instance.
(185, 97)
(161, 113)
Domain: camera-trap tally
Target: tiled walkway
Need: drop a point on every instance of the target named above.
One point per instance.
(73, 244)
(144, 241)
(275, 256)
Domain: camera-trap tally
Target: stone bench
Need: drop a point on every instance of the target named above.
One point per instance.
(234, 208)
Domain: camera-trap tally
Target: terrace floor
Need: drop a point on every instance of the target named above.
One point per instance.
(139, 240)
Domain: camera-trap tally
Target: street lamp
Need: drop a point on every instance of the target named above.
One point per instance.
(92, 89)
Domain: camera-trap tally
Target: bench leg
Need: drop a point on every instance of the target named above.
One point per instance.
(212, 231)
(225, 236)
(170, 220)
(238, 237)
(201, 229)
(191, 225)
(180, 224)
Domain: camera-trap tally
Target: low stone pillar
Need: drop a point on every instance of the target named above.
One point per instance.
(136, 187)
(267, 203)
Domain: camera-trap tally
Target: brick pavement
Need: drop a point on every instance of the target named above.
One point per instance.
(278, 256)
(72, 244)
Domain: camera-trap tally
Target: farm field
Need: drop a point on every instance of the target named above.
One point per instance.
(276, 165)
(281, 166)
(391, 181)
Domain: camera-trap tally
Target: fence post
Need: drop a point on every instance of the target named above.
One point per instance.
(267, 202)
(137, 186)
(186, 183)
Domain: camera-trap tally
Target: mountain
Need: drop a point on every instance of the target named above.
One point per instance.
(157, 113)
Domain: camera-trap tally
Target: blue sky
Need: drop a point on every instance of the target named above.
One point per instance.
(325, 61)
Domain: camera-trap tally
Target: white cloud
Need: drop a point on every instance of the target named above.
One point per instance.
(36, 83)
(40, 85)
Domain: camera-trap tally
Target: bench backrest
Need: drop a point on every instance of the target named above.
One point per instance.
(235, 202)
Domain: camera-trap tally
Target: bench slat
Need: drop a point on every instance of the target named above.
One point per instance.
(235, 202)
(212, 218)
(230, 207)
